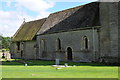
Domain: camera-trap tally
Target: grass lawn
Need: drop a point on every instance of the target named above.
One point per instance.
(43, 69)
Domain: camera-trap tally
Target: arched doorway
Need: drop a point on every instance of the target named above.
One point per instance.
(69, 53)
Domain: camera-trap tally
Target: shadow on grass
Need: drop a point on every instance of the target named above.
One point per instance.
(49, 63)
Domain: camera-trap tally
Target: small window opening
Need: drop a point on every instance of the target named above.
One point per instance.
(43, 48)
(59, 44)
(85, 42)
(18, 45)
(43, 44)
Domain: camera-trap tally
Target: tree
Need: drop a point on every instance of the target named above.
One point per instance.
(6, 42)
(1, 41)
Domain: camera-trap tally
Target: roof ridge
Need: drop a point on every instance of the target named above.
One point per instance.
(19, 29)
(28, 30)
(68, 9)
(36, 20)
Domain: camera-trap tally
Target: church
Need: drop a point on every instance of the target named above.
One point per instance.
(86, 33)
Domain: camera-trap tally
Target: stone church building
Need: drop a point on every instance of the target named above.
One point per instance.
(23, 44)
(87, 33)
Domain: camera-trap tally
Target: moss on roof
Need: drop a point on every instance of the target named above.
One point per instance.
(86, 16)
(57, 17)
(28, 30)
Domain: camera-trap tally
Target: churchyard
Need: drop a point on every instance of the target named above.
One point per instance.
(44, 69)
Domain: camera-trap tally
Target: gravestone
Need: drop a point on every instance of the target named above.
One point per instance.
(57, 61)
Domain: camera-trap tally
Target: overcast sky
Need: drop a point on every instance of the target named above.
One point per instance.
(12, 12)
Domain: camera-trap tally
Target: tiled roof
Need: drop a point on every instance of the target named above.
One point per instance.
(86, 16)
(28, 30)
(57, 17)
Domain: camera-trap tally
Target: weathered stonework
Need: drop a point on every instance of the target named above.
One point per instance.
(27, 50)
(73, 39)
(109, 32)
(87, 33)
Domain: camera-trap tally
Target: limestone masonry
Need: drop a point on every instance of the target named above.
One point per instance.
(86, 33)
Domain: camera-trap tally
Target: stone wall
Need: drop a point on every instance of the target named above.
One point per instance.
(15, 54)
(28, 49)
(119, 30)
(109, 31)
(73, 39)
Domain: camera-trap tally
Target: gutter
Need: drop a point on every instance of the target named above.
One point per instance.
(86, 28)
(94, 54)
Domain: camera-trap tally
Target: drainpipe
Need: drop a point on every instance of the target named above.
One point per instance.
(94, 55)
(39, 42)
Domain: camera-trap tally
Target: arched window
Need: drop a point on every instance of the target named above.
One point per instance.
(43, 48)
(18, 45)
(43, 44)
(58, 44)
(85, 42)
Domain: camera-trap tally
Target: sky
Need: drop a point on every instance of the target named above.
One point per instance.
(13, 12)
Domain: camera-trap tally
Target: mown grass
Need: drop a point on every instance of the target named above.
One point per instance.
(44, 69)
